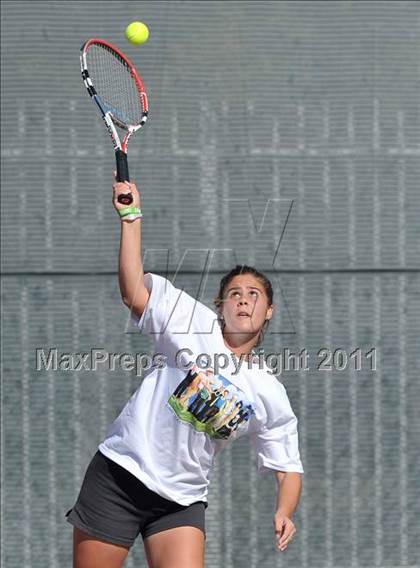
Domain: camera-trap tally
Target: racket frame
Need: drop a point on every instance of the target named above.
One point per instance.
(111, 121)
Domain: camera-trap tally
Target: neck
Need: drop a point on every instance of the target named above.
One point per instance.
(239, 344)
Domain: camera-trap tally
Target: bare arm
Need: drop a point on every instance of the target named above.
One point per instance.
(130, 267)
(289, 485)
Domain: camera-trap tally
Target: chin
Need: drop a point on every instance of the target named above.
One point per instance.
(246, 327)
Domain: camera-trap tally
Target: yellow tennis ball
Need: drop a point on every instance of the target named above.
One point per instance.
(136, 33)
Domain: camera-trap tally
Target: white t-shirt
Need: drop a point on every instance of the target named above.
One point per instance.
(183, 414)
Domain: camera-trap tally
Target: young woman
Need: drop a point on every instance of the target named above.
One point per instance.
(150, 474)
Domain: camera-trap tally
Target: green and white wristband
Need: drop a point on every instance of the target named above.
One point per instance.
(130, 213)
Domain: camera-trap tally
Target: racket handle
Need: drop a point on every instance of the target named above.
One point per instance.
(123, 175)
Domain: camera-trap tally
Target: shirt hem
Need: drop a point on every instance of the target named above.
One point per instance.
(144, 478)
(270, 467)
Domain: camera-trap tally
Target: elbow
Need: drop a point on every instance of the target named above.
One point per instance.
(129, 303)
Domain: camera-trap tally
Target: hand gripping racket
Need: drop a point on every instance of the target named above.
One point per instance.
(118, 91)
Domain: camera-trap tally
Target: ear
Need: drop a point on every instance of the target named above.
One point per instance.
(269, 313)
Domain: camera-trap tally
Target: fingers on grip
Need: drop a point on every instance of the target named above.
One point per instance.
(125, 198)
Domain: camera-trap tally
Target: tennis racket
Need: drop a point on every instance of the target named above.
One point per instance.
(117, 90)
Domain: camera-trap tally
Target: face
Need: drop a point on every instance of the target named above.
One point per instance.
(245, 307)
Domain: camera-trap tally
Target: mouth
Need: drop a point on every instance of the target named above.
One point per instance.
(243, 315)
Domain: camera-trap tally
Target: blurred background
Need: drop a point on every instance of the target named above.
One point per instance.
(285, 135)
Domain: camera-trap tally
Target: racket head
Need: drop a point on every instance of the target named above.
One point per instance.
(115, 85)
(117, 88)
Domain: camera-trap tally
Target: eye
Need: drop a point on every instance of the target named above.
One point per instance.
(254, 292)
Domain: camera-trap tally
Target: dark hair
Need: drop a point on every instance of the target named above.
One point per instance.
(238, 270)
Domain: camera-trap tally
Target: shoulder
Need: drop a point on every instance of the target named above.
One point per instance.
(156, 283)
(270, 386)
(272, 395)
(264, 376)
(182, 302)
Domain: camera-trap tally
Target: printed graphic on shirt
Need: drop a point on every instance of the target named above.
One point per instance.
(211, 404)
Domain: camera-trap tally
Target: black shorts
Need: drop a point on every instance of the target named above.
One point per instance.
(113, 505)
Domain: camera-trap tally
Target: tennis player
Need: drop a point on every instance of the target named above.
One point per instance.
(150, 474)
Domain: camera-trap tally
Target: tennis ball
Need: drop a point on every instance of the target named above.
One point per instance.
(136, 33)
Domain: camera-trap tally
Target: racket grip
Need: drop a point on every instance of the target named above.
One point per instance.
(123, 175)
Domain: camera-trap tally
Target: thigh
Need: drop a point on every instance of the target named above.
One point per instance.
(179, 547)
(105, 509)
(91, 552)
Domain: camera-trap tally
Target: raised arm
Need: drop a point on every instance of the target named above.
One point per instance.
(130, 267)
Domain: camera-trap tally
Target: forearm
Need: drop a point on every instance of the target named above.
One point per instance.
(288, 492)
(130, 270)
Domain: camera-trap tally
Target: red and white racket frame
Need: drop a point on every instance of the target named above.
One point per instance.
(120, 147)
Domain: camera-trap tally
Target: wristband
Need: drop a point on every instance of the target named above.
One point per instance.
(130, 213)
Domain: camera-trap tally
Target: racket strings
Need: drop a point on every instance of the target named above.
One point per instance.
(114, 83)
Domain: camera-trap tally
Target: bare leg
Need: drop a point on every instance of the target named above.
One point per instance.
(90, 552)
(180, 547)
